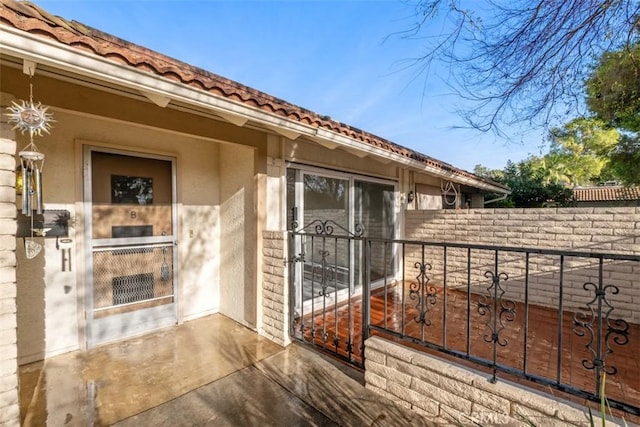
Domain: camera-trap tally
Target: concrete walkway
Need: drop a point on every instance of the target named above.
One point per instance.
(211, 371)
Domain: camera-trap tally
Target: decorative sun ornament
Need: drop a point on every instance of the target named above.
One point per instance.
(30, 117)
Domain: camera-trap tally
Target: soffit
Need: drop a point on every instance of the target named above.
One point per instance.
(28, 17)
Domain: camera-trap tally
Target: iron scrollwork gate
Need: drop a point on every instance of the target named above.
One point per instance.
(328, 277)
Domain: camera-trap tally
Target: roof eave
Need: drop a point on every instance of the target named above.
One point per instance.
(162, 92)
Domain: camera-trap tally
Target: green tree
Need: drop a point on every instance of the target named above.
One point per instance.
(613, 89)
(613, 95)
(529, 185)
(580, 151)
(493, 174)
(625, 160)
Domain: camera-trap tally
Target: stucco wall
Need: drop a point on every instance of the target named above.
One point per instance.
(238, 247)
(199, 234)
(458, 395)
(51, 301)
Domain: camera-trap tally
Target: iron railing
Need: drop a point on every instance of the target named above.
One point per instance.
(562, 319)
(327, 269)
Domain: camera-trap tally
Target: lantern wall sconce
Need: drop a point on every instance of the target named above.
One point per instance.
(19, 183)
(411, 196)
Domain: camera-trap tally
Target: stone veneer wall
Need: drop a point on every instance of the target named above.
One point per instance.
(610, 230)
(615, 230)
(9, 406)
(274, 288)
(460, 396)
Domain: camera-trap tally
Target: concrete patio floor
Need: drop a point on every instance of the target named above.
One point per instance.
(211, 371)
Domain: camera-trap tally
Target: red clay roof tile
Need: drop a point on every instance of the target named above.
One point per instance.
(606, 193)
(29, 17)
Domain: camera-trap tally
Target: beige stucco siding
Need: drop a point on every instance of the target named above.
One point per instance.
(315, 155)
(238, 242)
(216, 178)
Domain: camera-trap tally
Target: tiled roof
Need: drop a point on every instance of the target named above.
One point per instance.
(28, 17)
(606, 193)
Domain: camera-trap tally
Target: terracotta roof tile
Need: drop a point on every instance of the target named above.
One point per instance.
(29, 17)
(606, 193)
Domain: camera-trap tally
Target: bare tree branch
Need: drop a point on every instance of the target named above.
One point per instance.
(521, 61)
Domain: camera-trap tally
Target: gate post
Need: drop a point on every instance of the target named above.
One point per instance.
(275, 288)
(366, 293)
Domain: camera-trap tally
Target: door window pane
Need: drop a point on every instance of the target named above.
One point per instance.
(131, 196)
(326, 200)
(374, 209)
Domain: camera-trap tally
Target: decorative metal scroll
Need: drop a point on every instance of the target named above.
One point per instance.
(324, 272)
(617, 330)
(327, 227)
(425, 294)
(498, 309)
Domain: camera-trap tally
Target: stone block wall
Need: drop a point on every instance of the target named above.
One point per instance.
(459, 396)
(608, 230)
(274, 288)
(9, 406)
(615, 230)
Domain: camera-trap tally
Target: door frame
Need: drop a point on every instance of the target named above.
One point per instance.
(351, 177)
(137, 318)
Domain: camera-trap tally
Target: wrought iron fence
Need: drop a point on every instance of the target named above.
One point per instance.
(326, 273)
(563, 319)
(560, 319)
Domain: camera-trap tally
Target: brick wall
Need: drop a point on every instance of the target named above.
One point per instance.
(459, 396)
(274, 288)
(614, 230)
(610, 230)
(9, 407)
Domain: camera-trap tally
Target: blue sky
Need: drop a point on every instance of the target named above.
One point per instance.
(337, 58)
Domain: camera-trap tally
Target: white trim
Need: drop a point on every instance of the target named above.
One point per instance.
(21, 44)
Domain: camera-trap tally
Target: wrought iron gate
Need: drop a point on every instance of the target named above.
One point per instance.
(328, 278)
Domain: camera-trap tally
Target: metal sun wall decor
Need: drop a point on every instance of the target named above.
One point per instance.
(34, 119)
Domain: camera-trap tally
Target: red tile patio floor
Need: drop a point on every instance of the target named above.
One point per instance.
(542, 339)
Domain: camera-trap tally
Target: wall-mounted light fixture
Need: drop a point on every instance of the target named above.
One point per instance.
(410, 196)
(19, 183)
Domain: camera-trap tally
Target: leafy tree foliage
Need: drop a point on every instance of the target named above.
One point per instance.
(613, 89)
(613, 94)
(529, 185)
(579, 153)
(625, 160)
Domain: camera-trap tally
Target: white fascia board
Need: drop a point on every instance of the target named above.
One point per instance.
(48, 52)
(387, 156)
(54, 54)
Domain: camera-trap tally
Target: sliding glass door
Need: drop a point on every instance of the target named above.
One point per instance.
(374, 209)
(330, 208)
